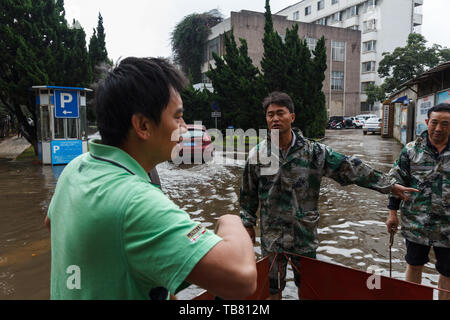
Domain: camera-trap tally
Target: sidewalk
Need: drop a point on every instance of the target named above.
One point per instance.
(12, 147)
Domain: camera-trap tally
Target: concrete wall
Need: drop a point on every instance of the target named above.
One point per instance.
(404, 116)
(249, 25)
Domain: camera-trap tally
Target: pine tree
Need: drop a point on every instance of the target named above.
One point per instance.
(273, 62)
(197, 106)
(36, 49)
(98, 54)
(288, 67)
(237, 86)
(298, 66)
(316, 100)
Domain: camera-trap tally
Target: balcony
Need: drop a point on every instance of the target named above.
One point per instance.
(352, 21)
(417, 19)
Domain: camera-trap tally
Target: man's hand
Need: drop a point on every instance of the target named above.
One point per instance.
(47, 223)
(402, 192)
(251, 233)
(392, 221)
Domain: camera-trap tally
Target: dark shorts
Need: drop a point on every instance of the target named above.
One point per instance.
(277, 275)
(417, 255)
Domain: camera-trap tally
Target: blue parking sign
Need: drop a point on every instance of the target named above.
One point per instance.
(66, 104)
(64, 151)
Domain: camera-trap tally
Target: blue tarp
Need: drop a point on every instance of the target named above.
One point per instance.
(401, 99)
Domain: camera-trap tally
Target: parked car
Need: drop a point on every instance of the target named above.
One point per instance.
(196, 142)
(361, 118)
(372, 125)
(359, 122)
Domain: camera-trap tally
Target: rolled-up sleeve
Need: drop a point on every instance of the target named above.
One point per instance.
(351, 170)
(399, 174)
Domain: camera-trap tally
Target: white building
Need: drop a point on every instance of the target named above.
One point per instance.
(384, 24)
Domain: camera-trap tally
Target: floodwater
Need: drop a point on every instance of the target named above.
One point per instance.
(351, 228)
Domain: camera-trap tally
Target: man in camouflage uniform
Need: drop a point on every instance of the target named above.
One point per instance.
(425, 164)
(289, 195)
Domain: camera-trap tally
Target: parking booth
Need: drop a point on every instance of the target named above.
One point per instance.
(61, 123)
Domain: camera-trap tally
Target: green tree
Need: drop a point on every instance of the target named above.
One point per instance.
(237, 86)
(273, 63)
(98, 59)
(288, 67)
(444, 54)
(315, 100)
(375, 93)
(188, 41)
(197, 105)
(98, 54)
(38, 48)
(407, 62)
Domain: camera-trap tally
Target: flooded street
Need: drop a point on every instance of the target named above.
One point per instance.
(351, 229)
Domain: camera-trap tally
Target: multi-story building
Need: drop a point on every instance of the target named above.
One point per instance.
(385, 25)
(341, 84)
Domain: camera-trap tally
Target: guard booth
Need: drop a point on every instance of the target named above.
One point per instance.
(61, 123)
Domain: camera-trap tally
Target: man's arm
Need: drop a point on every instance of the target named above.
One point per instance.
(228, 270)
(249, 200)
(351, 170)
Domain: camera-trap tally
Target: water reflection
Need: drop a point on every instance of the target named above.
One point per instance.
(351, 229)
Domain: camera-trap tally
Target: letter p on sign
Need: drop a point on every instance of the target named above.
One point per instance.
(65, 98)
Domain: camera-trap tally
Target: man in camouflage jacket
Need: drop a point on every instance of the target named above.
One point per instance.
(425, 165)
(288, 196)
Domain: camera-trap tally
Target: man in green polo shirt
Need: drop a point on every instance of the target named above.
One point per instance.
(114, 235)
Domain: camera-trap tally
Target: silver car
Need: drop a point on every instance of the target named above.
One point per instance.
(372, 125)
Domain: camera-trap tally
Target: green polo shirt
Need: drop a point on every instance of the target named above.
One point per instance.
(114, 235)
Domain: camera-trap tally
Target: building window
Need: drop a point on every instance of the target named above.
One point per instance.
(320, 5)
(337, 81)
(368, 66)
(370, 25)
(213, 46)
(370, 46)
(352, 11)
(338, 50)
(334, 1)
(364, 85)
(355, 27)
(336, 17)
(307, 10)
(322, 21)
(311, 43)
(372, 3)
(296, 15)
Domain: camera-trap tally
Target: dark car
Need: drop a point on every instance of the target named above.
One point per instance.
(196, 143)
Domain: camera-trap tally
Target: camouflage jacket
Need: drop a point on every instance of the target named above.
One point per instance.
(289, 195)
(425, 218)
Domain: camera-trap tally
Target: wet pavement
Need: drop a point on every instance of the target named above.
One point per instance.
(351, 228)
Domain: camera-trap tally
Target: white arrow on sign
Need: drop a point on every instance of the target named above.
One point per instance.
(66, 112)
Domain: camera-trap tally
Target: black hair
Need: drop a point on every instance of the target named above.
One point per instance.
(136, 85)
(278, 98)
(442, 107)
